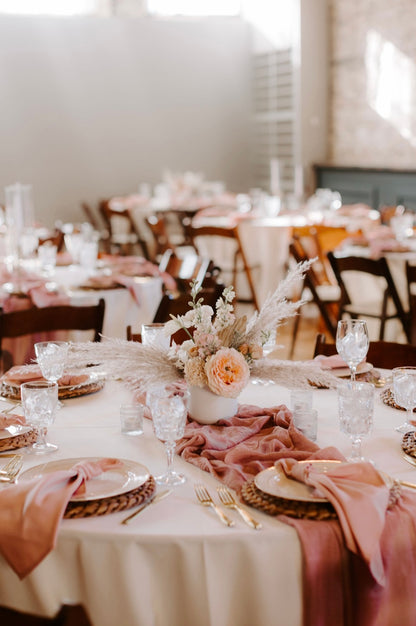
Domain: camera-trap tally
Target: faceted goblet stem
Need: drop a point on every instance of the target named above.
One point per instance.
(170, 451)
(41, 438)
(356, 453)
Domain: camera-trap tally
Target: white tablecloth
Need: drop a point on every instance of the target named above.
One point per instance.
(121, 308)
(176, 564)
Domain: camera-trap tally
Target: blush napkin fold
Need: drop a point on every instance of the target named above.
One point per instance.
(30, 512)
(338, 586)
(360, 497)
(11, 419)
(237, 449)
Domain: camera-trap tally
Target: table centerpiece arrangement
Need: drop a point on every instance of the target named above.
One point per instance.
(222, 353)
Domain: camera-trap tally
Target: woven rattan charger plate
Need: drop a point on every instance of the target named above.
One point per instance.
(18, 441)
(12, 392)
(409, 444)
(113, 504)
(388, 398)
(319, 511)
(282, 506)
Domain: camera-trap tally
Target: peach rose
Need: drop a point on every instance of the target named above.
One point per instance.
(227, 372)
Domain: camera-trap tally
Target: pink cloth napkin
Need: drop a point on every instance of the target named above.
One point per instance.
(22, 374)
(330, 362)
(11, 419)
(339, 584)
(30, 512)
(42, 298)
(235, 450)
(360, 497)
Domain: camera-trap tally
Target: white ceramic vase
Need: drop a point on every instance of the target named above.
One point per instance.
(207, 407)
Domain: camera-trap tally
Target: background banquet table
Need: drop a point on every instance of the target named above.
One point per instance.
(266, 240)
(121, 307)
(176, 564)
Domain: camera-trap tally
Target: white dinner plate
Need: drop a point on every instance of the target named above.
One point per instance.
(274, 482)
(344, 372)
(114, 482)
(14, 430)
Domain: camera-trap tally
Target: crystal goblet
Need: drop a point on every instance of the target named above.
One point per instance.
(404, 391)
(51, 357)
(169, 411)
(355, 411)
(39, 401)
(154, 335)
(352, 343)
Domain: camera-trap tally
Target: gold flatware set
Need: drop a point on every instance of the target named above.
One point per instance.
(228, 500)
(10, 470)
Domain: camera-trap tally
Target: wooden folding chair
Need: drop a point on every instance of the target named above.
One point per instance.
(179, 305)
(157, 227)
(50, 319)
(411, 292)
(123, 232)
(189, 268)
(387, 307)
(239, 254)
(69, 615)
(383, 354)
(324, 296)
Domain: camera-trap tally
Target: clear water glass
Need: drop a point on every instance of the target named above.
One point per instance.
(39, 401)
(169, 412)
(51, 357)
(154, 335)
(352, 343)
(404, 391)
(355, 411)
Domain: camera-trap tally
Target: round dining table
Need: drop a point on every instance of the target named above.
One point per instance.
(176, 564)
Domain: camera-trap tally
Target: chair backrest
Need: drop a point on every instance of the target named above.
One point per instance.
(53, 318)
(179, 305)
(188, 268)
(228, 233)
(91, 217)
(384, 354)
(311, 282)
(411, 280)
(122, 228)
(55, 238)
(375, 267)
(157, 227)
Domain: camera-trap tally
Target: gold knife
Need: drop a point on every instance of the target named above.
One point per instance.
(153, 500)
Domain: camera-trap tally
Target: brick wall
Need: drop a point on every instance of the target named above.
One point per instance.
(373, 83)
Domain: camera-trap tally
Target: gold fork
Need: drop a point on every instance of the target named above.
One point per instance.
(10, 470)
(206, 500)
(229, 501)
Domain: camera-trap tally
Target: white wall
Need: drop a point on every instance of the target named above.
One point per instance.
(91, 107)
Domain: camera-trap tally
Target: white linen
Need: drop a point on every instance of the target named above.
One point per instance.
(176, 564)
(121, 308)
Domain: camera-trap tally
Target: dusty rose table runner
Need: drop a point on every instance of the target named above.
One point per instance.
(338, 586)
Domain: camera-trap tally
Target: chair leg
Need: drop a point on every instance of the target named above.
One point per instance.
(294, 335)
(383, 316)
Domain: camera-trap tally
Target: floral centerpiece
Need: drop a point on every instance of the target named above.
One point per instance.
(221, 353)
(216, 354)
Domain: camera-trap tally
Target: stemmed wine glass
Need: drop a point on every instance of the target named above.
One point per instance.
(355, 411)
(169, 411)
(39, 401)
(51, 357)
(404, 390)
(352, 343)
